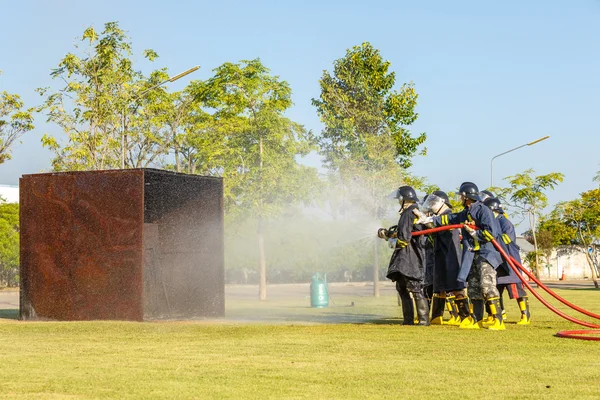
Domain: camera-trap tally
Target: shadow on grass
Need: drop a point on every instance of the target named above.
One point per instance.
(9, 314)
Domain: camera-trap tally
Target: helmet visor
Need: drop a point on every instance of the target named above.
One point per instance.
(432, 204)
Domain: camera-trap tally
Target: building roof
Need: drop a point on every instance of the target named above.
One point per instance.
(10, 193)
(524, 244)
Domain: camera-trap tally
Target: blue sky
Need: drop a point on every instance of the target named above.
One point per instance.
(490, 75)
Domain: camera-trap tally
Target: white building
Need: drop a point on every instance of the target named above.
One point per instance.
(9, 193)
(570, 259)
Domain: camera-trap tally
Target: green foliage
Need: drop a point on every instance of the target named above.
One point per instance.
(9, 243)
(532, 260)
(98, 107)
(576, 221)
(15, 121)
(562, 234)
(527, 192)
(359, 106)
(254, 146)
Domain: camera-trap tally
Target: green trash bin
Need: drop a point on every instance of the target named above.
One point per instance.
(319, 296)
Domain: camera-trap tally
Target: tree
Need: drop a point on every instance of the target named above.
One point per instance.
(581, 219)
(15, 121)
(366, 143)
(357, 104)
(97, 107)
(9, 243)
(262, 174)
(526, 193)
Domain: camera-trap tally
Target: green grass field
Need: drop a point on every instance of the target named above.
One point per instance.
(284, 349)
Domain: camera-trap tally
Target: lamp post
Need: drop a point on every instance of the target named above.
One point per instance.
(172, 79)
(501, 154)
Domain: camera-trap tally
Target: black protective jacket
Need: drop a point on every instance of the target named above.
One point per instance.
(447, 257)
(508, 238)
(429, 260)
(409, 257)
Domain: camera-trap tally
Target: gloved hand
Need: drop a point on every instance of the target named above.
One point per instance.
(470, 230)
(422, 218)
(392, 243)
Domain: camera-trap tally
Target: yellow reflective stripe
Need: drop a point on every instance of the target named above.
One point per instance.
(415, 221)
(506, 238)
(446, 222)
(402, 242)
(476, 246)
(487, 235)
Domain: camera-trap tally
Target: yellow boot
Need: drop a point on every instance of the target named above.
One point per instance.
(498, 323)
(489, 320)
(525, 314)
(470, 323)
(474, 320)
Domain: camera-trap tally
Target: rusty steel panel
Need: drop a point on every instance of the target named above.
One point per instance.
(135, 244)
(183, 242)
(81, 245)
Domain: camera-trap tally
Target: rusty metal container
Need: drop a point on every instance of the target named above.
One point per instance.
(137, 244)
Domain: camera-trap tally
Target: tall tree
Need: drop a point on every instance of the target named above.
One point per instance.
(98, 105)
(366, 140)
(15, 120)
(358, 103)
(260, 165)
(527, 193)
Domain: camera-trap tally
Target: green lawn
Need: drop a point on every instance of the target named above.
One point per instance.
(299, 352)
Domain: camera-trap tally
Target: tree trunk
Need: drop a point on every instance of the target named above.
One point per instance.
(177, 161)
(535, 246)
(375, 268)
(262, 285)
(589, 259)
(176, 149)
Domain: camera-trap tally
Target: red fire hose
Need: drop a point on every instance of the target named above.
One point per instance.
(577, 334)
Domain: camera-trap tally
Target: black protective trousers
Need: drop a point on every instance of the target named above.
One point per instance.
(405, 286)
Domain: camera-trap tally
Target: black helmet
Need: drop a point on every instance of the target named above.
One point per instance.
(493, 204)
(485, 194)
(443, 195)
(406, 193)
(469, 190)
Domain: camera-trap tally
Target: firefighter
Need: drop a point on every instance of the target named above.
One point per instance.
(446, 260)
(407, 263)
(512, 283)
(479, 260)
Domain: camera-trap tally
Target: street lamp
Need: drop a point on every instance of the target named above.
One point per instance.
(136, 98)
(501, 154)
